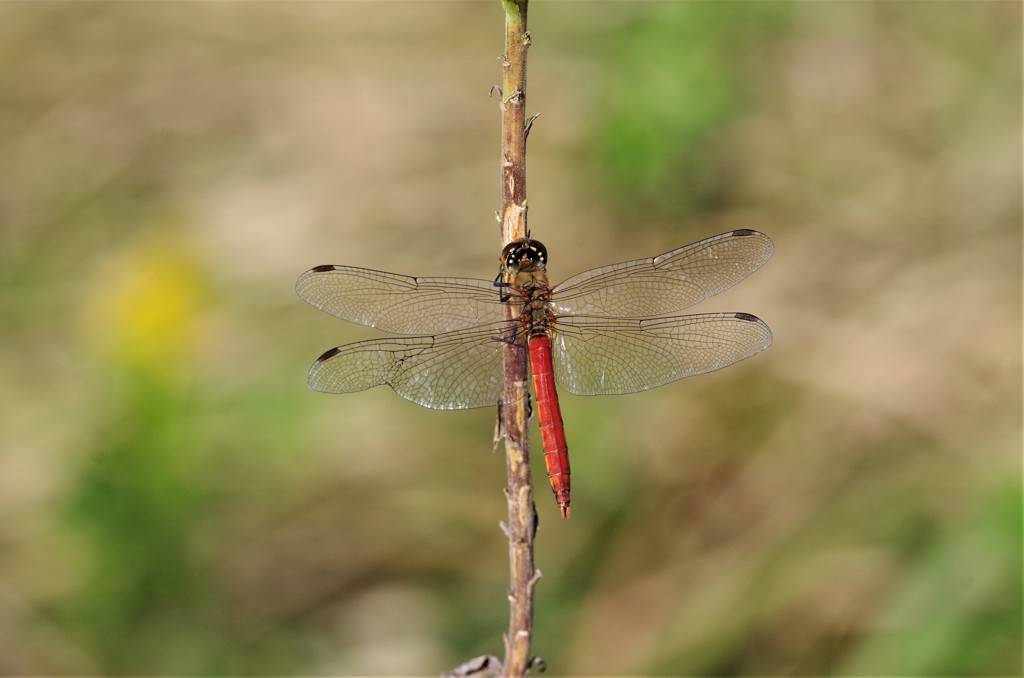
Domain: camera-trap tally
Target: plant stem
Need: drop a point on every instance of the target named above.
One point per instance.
(514, 422)
(513, 414)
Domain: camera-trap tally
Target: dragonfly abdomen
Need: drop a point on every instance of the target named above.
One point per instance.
(556, 450)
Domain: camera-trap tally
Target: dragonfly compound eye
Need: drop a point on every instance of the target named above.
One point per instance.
(519, 252)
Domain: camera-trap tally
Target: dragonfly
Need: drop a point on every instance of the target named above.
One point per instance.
(608, 330)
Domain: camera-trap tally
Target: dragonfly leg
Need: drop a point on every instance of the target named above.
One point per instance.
(509, 336)
(504, 295)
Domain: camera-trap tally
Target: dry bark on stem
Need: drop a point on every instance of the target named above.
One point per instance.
(522, 516)
(513, 415)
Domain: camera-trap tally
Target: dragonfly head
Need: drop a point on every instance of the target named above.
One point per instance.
(524, 255)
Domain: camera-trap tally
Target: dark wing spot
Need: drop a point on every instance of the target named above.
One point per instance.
(329, 354)
(322, 269)
(744, 231)
(746, 316)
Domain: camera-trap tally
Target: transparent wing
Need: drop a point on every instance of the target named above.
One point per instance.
(398, 303)
(453, 371)
(601, 356)
(666, 283)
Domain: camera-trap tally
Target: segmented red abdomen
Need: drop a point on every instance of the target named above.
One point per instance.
(556, 451)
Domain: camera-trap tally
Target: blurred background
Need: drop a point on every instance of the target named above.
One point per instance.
(174, 500)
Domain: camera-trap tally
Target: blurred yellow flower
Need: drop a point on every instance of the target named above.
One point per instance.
(144, 312)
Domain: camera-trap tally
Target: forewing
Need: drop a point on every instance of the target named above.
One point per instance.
(454, 371)
(398, 303)
(598, 356)
(666, 283)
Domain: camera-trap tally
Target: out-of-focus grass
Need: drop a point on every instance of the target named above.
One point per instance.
(672, 85)
(174, 501)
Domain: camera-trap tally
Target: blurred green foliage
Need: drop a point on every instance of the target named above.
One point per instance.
(673, 81)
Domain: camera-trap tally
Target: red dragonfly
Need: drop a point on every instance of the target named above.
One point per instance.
(604, 331)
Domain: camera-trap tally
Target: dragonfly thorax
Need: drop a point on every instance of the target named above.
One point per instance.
(534, 304)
